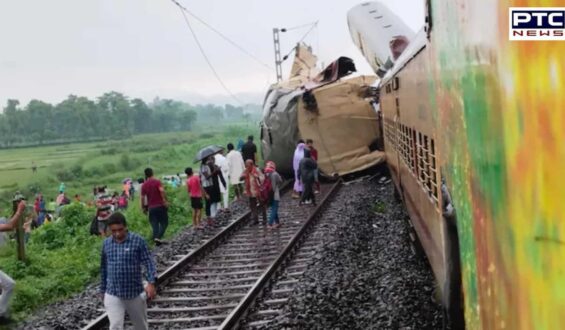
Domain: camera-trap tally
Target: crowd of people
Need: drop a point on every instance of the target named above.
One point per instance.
(124, 254)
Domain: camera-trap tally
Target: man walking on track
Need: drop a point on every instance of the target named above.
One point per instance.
(154, 202)
(7, 284)
(249, 150)
(314, 155)
(276, 182)
(236, 168)
(123, 255)
(222, 162)
(195, 192)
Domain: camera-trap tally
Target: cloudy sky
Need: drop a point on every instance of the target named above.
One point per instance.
(143, 48)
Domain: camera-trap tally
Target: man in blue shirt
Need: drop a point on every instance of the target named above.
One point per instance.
(123, 254)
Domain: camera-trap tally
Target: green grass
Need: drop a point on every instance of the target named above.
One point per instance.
(379, 207)
(62, 257)
(167, 153)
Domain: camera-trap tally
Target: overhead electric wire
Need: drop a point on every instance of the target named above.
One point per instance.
(300, 26)
(315, 24)
(233, 43)
(205, 56)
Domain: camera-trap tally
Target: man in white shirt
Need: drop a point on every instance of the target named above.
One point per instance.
(222, 162)
(236, 168)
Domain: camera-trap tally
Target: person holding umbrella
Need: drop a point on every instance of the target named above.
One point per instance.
(210, 176)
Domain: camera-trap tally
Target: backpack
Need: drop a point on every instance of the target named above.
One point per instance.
(266, 193)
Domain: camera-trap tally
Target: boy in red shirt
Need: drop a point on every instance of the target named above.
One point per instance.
(196, 192)
(314, 156)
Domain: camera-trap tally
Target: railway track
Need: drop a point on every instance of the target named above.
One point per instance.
(218, 285)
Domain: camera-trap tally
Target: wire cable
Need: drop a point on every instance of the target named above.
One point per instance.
(205, 56)
(233, 43)
(300, 26)
(315, 24)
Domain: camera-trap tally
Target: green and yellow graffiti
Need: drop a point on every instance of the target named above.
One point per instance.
(501, 116)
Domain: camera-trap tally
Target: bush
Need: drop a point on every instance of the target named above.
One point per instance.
(206, 136)
(108, 168)
(110, 151)
(76, 171)
(237, 131)
(64, 175)
(128, 163)
(72, 226)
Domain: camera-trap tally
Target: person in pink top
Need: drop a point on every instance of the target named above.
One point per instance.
(196, 192)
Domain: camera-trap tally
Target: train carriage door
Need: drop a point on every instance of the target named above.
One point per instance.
(398, 134)
(391, 126)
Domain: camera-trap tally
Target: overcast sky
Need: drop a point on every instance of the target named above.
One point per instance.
(143, 48)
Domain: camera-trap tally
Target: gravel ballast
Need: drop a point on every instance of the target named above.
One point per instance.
(366, 276)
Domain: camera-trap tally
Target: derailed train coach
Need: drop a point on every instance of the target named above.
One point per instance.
(336, 113)
(474, 135)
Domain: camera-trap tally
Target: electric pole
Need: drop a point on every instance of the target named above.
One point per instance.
(278, 61)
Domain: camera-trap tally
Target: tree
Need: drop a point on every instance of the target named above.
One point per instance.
(142, 116)
(233, 113)
(78, 118)
(118, 106)
(39, 113)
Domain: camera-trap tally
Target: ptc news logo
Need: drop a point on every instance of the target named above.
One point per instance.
(537, 23)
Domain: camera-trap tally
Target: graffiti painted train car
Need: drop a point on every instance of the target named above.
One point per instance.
(474, 131)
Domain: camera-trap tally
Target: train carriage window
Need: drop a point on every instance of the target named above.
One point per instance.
(433, 170)
(413, 163)
(407, 147)
(420, 161)
(404, 143)
(427, 165)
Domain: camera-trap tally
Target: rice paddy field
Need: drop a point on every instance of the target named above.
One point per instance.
(83, 165)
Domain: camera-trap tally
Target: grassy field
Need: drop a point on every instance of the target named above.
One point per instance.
(81, 166)
(62, 257)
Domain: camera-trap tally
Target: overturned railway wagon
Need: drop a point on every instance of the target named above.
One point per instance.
(335, 113)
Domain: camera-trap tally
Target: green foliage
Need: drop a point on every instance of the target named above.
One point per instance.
(112, 115)
(64, 175)
(379, 207)
(109, 168)
(110, 151)
(62, 257)
(206, 136)
(128, 163)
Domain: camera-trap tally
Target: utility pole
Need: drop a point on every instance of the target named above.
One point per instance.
(20, 239)
(278, 61)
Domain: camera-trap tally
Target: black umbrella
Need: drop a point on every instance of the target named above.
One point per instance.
(207, 152)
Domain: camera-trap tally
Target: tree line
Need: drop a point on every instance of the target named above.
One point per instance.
(112, 115)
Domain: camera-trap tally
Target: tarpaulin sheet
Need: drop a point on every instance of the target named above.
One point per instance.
(343, 127)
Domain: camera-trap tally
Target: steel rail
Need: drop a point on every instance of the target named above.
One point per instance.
(238, 314)
(192, 257)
